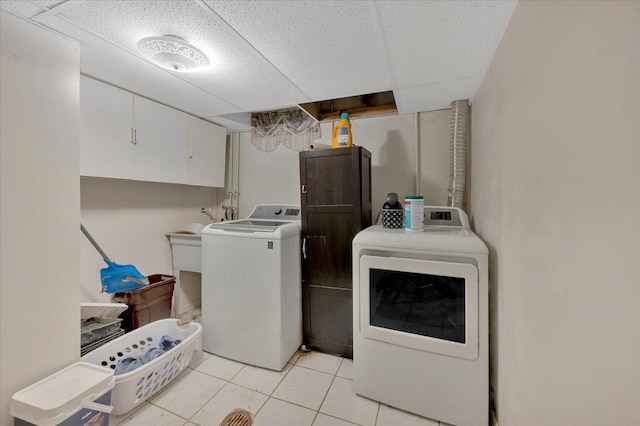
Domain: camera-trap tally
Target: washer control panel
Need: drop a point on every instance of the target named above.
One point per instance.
(276, 211)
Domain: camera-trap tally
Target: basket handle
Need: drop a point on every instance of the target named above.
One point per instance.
(96, 406)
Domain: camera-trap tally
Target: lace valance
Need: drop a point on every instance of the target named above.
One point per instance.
(291, 127)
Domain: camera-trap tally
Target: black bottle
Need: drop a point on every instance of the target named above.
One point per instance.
(392, 202)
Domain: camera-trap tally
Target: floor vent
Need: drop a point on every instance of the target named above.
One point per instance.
(238, 417)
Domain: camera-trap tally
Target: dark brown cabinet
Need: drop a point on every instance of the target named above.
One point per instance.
(336, 205)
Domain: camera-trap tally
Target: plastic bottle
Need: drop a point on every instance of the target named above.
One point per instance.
(342, 133)
(413, 213)
(392, 201)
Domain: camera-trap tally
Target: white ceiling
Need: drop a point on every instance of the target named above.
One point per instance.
(272, 54)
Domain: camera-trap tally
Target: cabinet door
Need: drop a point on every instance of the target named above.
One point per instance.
(335, 207)
(161, 143)
(207, 153)
(106, 120)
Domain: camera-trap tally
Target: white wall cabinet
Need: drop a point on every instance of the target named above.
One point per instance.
(106, 120)
(125, 136)
(160, 139)
(207, 152)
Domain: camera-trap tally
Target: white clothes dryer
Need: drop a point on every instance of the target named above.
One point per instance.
(420, 315)
(251, 288)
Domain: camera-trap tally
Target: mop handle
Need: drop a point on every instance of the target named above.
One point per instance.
(85, 232)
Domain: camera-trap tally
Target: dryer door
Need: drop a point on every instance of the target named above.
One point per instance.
(422, 304)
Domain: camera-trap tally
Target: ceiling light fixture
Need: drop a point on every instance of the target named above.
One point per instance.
(173, 53)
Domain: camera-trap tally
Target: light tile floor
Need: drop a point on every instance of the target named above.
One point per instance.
(313, 389)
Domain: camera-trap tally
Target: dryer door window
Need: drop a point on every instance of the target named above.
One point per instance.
(422, 304)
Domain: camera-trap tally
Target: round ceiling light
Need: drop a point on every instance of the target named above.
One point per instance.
(173, 53)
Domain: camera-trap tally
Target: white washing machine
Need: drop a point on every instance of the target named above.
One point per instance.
(420, 315)
(251, 288)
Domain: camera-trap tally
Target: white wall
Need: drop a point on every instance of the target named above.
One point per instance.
(129, 220)
(434, 156)
(40, 206)
(556, 195)
(268, 177)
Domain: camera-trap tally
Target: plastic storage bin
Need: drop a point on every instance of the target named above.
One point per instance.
(77, 395)
(147, 304)
(135, 387)
(95, 329)
(95, 332)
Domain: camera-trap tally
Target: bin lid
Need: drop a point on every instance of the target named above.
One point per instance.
(101, 310)
(59, 396)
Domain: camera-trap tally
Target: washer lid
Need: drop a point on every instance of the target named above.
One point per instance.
(249, 225)
(265, 218)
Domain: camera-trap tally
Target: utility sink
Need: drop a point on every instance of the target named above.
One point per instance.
(186, 252)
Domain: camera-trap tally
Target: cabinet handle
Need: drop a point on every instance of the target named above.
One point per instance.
(132, 139)
(304, 189)
(304, 248)
(190, 151)
(135, 136)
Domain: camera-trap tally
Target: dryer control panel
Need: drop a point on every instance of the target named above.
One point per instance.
(445, 216)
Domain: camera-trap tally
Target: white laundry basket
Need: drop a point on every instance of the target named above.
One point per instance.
(136, 386)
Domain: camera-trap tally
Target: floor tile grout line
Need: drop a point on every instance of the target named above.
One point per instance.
(300, 405)
(209, 400)
(237, 372)
(377, 414)
(246, 387)
(315, 417)
(340, 418)
(317, 371)
(164, 389)
(169, 411)
(317, 411)
(269, 396)
(292, 403)
(285, 375)
(202, 406)
(239, 385)
(328, 390)
(322, 371)
(130, 413)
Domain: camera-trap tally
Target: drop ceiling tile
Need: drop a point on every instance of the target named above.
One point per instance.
(237, 73)
(27, 9)
(269, 55)
(326, 48)
(48, 4)
(235, 122)
(104, 61)
(430, 97)
(435, 41)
